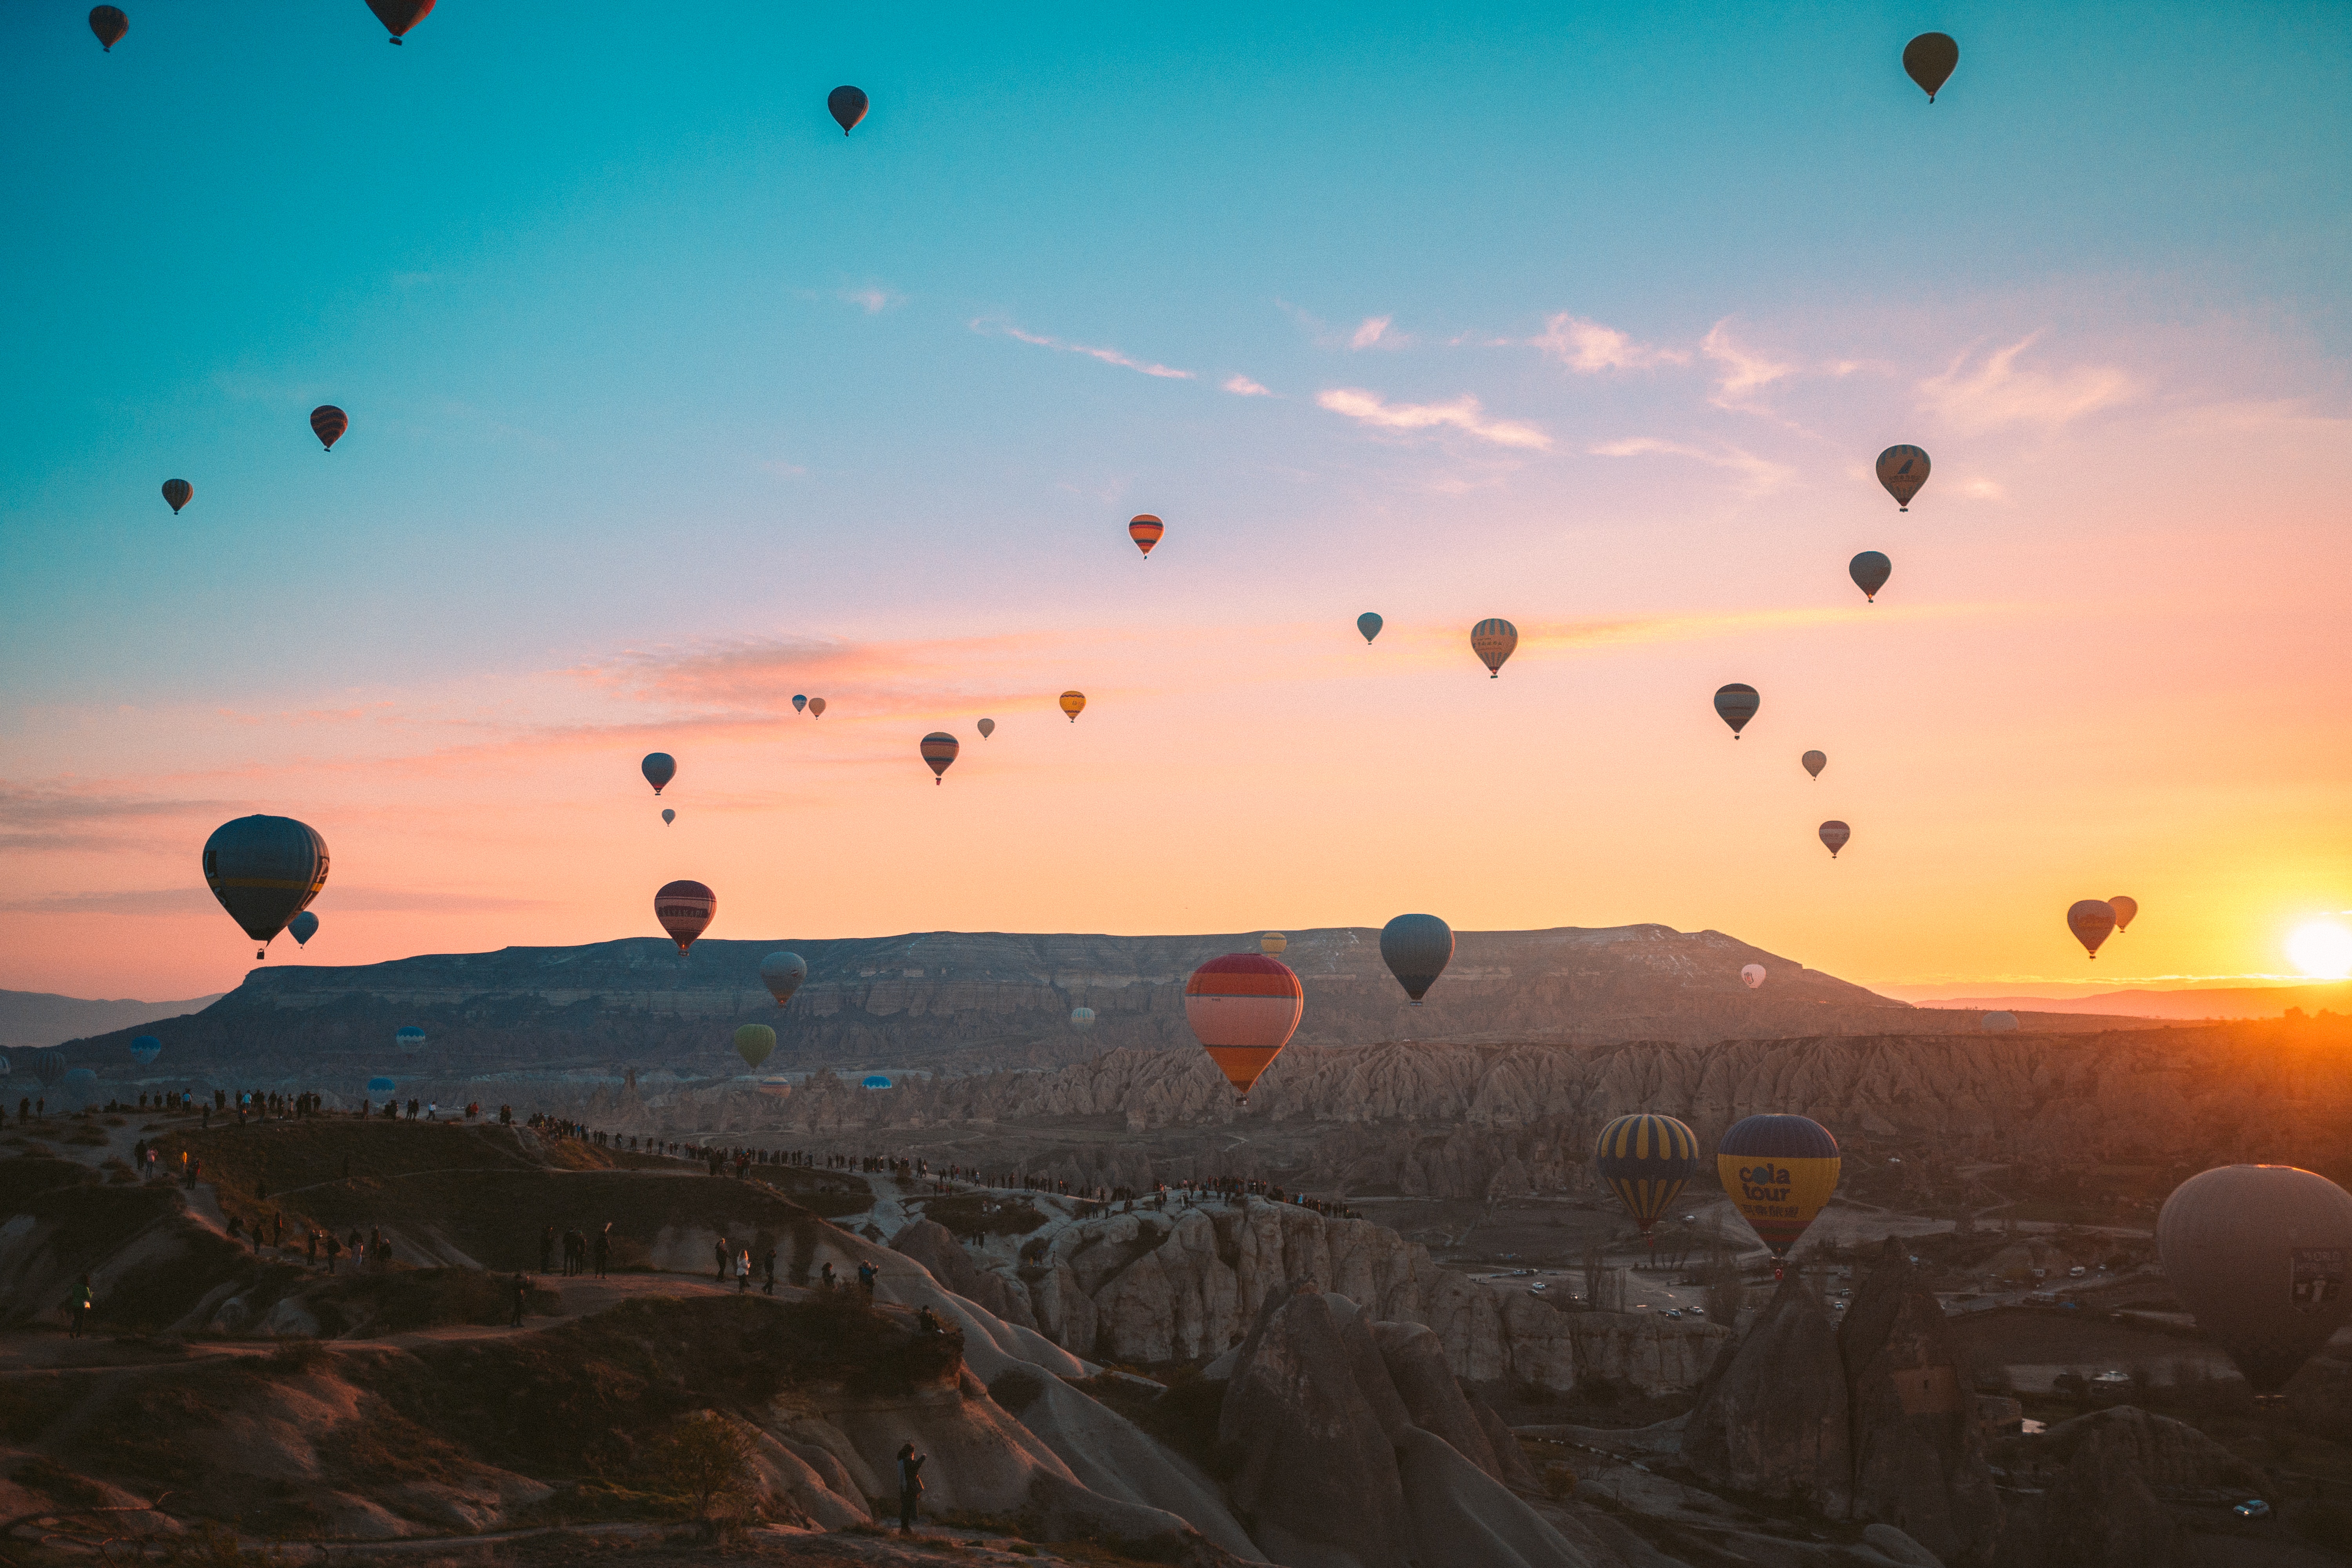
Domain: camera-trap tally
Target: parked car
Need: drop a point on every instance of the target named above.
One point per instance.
(1537, 1285)
(2252, 1508)
(1674, 1312)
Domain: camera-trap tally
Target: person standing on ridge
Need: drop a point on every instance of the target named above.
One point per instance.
(547, 1250)
(865, 1274)
(910, 1487)
(604, 1249)
(768, 1266)
(521, 1298)
(718, 1250)
(744, 1272)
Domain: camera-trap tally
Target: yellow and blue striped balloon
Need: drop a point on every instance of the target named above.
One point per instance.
(1645, 1159)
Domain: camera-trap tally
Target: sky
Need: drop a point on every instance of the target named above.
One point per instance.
(668, 401)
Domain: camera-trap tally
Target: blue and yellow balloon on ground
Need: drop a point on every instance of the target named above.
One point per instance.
(1779, 1172)
(1645, 1159)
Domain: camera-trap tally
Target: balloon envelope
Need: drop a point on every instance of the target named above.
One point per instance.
(1645, 1160)
(399, 16)
(1998, 1023)
(1492, 640)
(1416, 948)
(1834, 835)
(1244, 1009)
(1870, 571)
(302, 928)
(1082, 1019)
(686, 911)
(659, 768)
(178, 493)
(874, 1081)
(2261, 1255)
(1074, 703)
(1778, 1172)
(668, 817)
(1903, 470)
(380, 1086)
(1736, 704)
(938, 749)
(1145, 529)
(1370, 625)
(847, 105)
(986, 727)
(816, 707)
(110, 24)
(781, 974)
(2091, 920)
(799, 702)
(1272, 943)
(754, 1042)
(49, 1066)
(408, 1038)
(1928, 60)
(1751, 975)
(1815, 761)
(2127, 910)
(328, 423)
(264, 870)
(146, 1049)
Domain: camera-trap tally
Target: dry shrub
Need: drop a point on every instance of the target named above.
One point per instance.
(705, 1459)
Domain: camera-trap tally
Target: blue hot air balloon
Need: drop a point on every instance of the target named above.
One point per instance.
(874, 1081)
(1370, 625)
(265, 871)
(799, 701)
(408, 1038)
(302, 928)
(1416, 948)
(145, 1049)
(380, 1086)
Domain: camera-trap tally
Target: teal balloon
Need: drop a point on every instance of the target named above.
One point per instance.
(1870, 571)
(146, 1049)
(1416, 948)
(302, 928)
(380, 1086)
(1370, 625)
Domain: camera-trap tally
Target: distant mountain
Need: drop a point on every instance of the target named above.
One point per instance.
(2232, 1002)
(39, 1018)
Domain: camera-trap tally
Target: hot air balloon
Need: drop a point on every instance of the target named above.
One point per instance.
(2126, 911)
(938, 749)
(399, 16)
(1928, 60)
(178, 493)
(1998, 1023)
(145, 1049)
(1492, 640)
(1815, 761)
(1074, 703)
(2261, 1255)
(1903, 470)
(1244, 1009)
(1645, 1160)
(328, 423)
(408, 1038)
(1751, 975)
(816, 707)
(668, 817)
(1834, 835)
(800, 703)
(986, 727)
(754, 1042)
(659, 768)
(110, 24)
(1272, 943)
(2091, 920)
(380, 1086)
(302, 928)
(4, 1064)
(264, 870)
(1416, 948)
(1778, 1172)
(1370, 625)
(874, 1081)
(1870, 571)
(48, 1066)
(1736, 704)
(848, 107)
(685, 910)
(1082, 1019)
(1145, 529)
(781, 974)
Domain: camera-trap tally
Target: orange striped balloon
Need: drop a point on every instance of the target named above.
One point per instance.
(328, 423)
(1244, 1009)
(1074, 703)
(1145, 529)
(939, 749)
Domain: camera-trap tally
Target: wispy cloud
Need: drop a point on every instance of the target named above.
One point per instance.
(1243, 386)
(1996, 392)
(1374, 332)
(1743, 373)
(873, 299)
(987, 327)
(26, 807)
(1465, 414)
(1760, 475)
(1590, 348)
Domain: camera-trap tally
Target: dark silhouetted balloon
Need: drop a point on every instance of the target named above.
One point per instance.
(781, 974)
(110, 24)
(1074, 703)
(1416, 948)
(302, 928)
(328, 423)
(1903, 470)
(754, 1042)
(800, 703)
(1493, 640)
(1645, 1160)
(1778, 1172)
(986, 727)
(848, 107)
(1082, 1019)
(145, 1049)
(686, 911)
(816, 707)
(408, 1038)
(2261, 1255)
(1751, 975)
(1244, 1009)
(1736, 704)
(938, 749)
(178, 493)
(1145, 529)
(399, 16)
(1370, 625)
(659, 768)
(668, 817)
(265, 871)
(48, 1066)
(1834, 835)
(1815, 761)
(1870, 571)
(1928, 60)
(2092, 920)
(2126, 911)
(1998, 1023)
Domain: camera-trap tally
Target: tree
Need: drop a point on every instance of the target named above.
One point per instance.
(705, 1459)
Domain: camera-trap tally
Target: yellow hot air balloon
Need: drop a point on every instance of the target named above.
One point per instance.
(1272, 944)
(1074, 703)
(1778, 1172)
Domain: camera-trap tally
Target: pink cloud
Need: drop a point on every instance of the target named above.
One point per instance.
(1463, 414)
(1108, 356)
(1590, 348)
(1997, 393)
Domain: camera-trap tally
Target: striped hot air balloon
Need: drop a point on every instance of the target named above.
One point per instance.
(1779, 1170)
(110, 24)
(1903, 470)
(686, 911)
(178, 493)
(1645, 1159)
(1272, 943)
(1834, 835)
(1074, 703)
(1244, 1009)
(1736, 704)
(938, 749)
(1145, 529)
(265, 871)
(1082, 1019)
(1492, 640)
(328, 423)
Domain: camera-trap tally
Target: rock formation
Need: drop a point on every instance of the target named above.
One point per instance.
(2109, 1476)
(1772, 1417)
